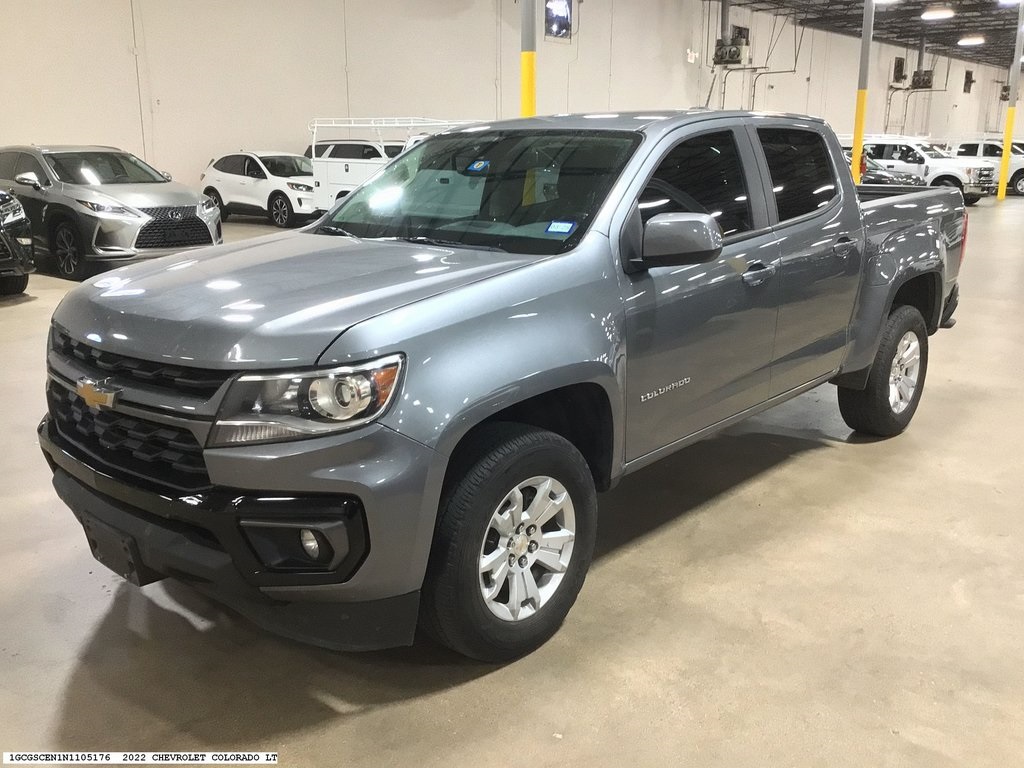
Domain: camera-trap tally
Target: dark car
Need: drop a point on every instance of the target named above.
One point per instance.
(16, 253)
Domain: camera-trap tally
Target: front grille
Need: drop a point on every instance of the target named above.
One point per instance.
(986, 174)
(177, 377)
(126, 445)
(166, 231)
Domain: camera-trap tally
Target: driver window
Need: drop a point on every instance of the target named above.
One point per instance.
(253, 170)
(906, 154)
(701, 175)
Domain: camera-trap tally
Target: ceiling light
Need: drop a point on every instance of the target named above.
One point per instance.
(890, 2)
(971, 40)
(1009, 2)
(938, 13)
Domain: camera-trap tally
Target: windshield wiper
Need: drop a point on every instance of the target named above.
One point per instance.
(422, 239)
(330, 229)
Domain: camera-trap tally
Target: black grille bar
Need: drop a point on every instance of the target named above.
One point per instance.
(173, 227)
(127, 445)
(199, 381)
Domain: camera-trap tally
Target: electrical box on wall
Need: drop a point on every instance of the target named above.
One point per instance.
(969, 80)
(736, 51)
(923, 79)
(899, 70)
(1004, 93)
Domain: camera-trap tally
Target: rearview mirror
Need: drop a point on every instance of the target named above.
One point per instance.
(28, 179)
(676, 239)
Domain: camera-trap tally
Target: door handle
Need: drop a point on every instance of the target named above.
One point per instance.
(758, 273)
(346, 167)
(844, 248)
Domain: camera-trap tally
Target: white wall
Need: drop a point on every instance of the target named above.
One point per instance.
(180, 81)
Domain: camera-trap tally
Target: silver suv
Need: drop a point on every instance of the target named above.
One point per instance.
(93, 206)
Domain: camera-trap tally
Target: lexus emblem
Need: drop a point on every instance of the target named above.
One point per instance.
(97, 394)
(177, 215)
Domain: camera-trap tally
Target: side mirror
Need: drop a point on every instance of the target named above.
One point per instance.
(676, 239)
(28, 179)
(166, 175)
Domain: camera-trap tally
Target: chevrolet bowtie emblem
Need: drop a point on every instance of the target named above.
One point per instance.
(97, 394)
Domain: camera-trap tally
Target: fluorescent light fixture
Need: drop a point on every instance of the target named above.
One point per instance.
(1009, 2)
(971, 40)
(937, 13)
(886, 2)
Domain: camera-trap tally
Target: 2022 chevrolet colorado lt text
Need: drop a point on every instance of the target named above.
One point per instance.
(401, 414)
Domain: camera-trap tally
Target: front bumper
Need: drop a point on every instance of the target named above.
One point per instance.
(981, 190)
(114, 239)
(15, 258)
(198, 538)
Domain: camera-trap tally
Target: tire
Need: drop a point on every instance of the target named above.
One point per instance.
(12, 285)
(527, 604)
(214, 195)
(1017, 183)
(67, 252)
(947, 181)
(884, 408)
(279, 210)
(971, 199)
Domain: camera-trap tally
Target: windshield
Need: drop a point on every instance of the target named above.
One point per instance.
(521, 191)
(287, 165)
(102, 168)
(934, 150)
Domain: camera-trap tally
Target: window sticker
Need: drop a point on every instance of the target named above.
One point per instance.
(479, 166)
(561, 227)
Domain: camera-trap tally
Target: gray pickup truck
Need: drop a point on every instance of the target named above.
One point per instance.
(400, 416)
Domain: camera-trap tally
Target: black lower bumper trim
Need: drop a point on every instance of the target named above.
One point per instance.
(154, 550)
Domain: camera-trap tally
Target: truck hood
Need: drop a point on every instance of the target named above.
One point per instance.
(155, 195)
(272, 302)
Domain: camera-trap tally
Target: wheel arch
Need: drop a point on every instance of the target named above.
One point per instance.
(938, 181)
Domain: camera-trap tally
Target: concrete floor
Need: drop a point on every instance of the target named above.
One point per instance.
(784, 594)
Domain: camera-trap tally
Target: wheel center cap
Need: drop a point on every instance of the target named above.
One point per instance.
(519, 544)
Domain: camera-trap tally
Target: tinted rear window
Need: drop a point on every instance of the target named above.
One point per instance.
(801, 171)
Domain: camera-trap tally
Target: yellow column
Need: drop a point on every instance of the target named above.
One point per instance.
(528, 83)
(1004, 165)
(858, 133)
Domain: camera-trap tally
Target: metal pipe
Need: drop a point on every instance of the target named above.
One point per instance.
(860, 115)
(528, 59)
(920, 55)
(726, 29)
(1011, 108)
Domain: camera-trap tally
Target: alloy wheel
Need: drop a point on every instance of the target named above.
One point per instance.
(527, 548)
(66, 251)
(279, 210)
(904, 373)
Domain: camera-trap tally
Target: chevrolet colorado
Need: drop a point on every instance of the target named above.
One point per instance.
(401, 415)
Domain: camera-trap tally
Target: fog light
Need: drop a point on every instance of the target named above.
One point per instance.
(310, 543)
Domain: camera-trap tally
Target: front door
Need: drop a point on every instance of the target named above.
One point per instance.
(699, 337)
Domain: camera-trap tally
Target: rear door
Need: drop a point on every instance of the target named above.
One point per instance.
(227, 176)
(700, 336)
(816, 221)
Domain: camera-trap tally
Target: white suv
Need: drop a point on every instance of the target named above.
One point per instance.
(975, 178)
(274, 184)
(992, 151)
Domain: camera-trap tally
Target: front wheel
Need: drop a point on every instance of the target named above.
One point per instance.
(1018, 183)
(66, 247)
(214, 195)
(971, 199)
(281, 212)
(513, 543)
(887, 404)
(12, 285)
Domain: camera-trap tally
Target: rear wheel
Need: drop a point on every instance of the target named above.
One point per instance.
(971, 199)
(887, 404)
(280, 210)
(514, 539)
(66, 248)
(13, 285)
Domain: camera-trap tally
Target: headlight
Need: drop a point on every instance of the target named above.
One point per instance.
(112, 210)
(289, 406)
(299, 187)
(207, 205)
